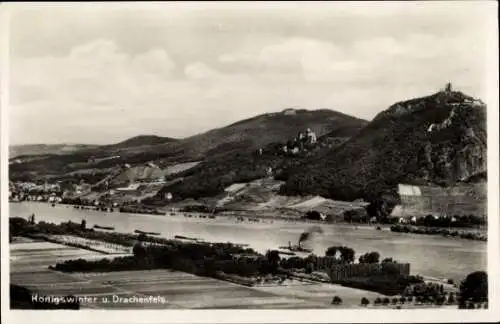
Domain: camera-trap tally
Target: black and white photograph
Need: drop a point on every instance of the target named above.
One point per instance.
(324, 156)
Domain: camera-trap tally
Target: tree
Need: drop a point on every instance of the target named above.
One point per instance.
(139, 251)
(440, 300)
(83, 225)
(387, 260)
(377, 301)
(336, 300)
(370, 257)
(365, 301)
(332, 251)
(475, 287)
(429, 220)
(347, 254)
(451, 298)
(394, 301)
(402, 300)
(385, 301)
(273, 257)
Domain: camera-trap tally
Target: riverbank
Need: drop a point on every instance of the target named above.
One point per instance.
(468, 234)
(255, 217)
(446, 257)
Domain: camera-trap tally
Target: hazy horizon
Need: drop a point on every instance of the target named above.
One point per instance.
(85, 74)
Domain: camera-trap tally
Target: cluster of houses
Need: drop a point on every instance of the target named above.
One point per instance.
(21, 196)
(46, 192)
(34, 192)
(339, 272)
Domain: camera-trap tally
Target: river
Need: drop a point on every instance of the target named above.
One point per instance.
(432, 256)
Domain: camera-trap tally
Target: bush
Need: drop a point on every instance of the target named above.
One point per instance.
(378, 301)
(18, 225)
(371, 257)
(346, 253)
(440, 300)
(451, 298)
(365, 301)
(474, 287)
(336, 300)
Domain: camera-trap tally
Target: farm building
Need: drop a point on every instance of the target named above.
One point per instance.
(339, 272)
(464, 199)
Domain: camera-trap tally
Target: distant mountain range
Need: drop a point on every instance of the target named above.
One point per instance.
(438, 139)
(245, 135)
(46, 149)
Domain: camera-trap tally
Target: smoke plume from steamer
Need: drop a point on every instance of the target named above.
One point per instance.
(305, 236)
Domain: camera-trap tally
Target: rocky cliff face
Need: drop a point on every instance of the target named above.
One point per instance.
(438, 139)
(455, 148)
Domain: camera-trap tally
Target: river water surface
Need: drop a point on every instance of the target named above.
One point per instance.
(432, 256)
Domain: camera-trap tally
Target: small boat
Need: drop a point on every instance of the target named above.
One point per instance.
(295, 248)
(146, 233)
(180, 237)
(286, 253)
(104, 227)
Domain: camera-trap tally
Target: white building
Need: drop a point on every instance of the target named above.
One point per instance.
(311, 136)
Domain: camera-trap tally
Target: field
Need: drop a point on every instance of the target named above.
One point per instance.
(105, 247)
(179, 290)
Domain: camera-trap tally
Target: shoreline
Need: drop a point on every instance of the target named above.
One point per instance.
(82, 245)
(249, 218)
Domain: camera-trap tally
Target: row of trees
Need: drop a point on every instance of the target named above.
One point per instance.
(439, 231)
(455, 221)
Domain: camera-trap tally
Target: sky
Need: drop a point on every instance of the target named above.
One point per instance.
(101, 73)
